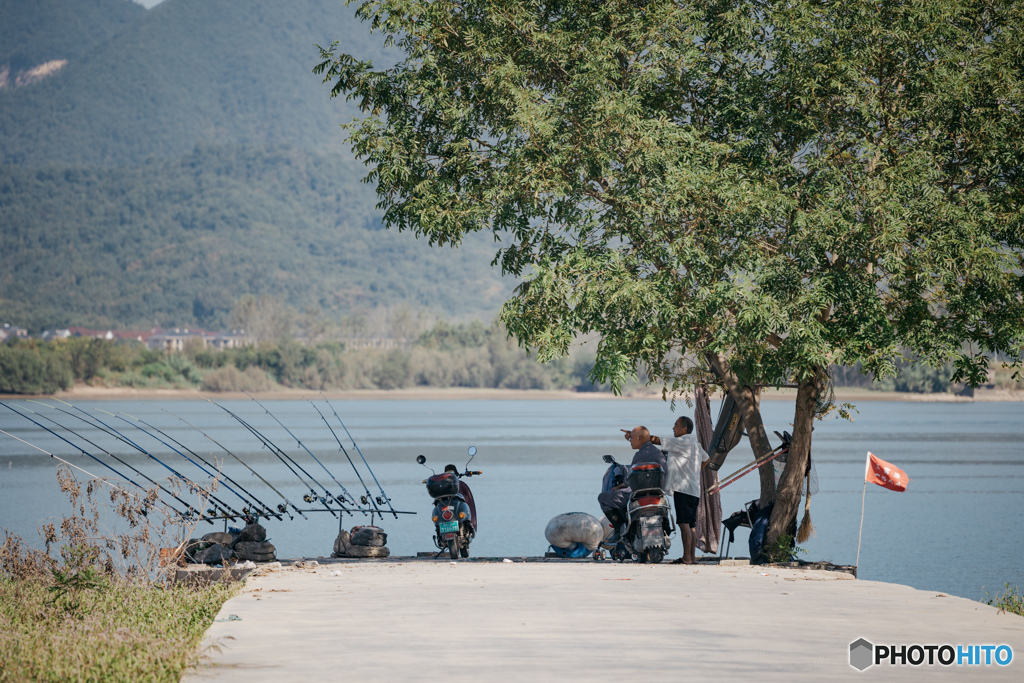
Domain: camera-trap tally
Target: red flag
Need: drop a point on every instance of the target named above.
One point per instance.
(885, 474)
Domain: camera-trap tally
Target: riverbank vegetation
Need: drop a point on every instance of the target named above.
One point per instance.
(110, 630)
(94, 603)
(1010, 601)
(444, 355)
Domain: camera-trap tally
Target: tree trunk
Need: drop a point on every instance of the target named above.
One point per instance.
(787, 498)
(750, 412)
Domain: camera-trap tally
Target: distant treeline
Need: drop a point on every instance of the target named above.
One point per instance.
(462, 355)
(446, 355)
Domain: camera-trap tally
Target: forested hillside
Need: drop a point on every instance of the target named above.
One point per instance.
(177, 242)
(186, 157)
(186, 72)
(36, 31)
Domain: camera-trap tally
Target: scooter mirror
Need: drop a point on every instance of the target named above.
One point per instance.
(472, 451)
(421, 459)
(608, 458)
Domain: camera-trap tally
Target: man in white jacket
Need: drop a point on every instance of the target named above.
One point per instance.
(685, 459)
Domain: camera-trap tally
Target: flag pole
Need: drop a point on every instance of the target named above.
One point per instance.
(863, 495)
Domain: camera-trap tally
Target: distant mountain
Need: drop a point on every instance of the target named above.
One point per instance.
(186, 156)
(177, 242)
(35, 32)
(221, 72)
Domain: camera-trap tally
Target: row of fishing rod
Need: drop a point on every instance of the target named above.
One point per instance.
(321, 498)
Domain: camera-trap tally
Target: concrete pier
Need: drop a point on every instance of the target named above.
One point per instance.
(418, 620)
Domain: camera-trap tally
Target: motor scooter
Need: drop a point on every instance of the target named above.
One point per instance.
(453, 515)
(649, 526)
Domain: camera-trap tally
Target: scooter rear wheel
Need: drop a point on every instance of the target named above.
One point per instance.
(453, 548)
(654, 555)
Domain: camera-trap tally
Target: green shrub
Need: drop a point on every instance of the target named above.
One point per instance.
(230, 378)
(1010, 601)
(28, 368)
(784, 549)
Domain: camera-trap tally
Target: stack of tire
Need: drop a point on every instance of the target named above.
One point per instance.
(361, 541)
(252, 545)
(222, 546)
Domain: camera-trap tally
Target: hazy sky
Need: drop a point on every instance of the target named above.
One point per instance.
(149, 3)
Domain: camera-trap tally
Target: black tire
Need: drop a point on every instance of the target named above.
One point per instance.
(654, 555)
(464, 550)
(453, 548)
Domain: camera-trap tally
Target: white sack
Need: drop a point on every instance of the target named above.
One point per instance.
(574, 527)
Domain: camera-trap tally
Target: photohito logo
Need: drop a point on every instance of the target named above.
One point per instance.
(864, 654)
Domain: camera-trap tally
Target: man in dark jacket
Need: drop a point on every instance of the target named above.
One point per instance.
(613, 503)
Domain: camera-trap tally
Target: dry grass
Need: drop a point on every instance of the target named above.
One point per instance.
(95, 605)
(118, 630)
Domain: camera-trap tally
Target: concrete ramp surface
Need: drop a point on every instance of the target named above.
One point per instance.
(434, 620)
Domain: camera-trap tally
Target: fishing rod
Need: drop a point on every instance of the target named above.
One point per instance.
(144, 502)
(225, 509)
(134, 469)
(108, 453)
(310, 497)
(303, 446)
(214, 466)
(192, 512)
(280, 508)
(250, 512)
(383, 496)
(104, 450)
(746, 469)
(368, 498)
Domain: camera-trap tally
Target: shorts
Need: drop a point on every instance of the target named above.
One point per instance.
(686, 508)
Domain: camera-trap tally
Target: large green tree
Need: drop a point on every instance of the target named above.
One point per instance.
(758, 189)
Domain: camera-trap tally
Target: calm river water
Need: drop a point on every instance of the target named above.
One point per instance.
(957, 529)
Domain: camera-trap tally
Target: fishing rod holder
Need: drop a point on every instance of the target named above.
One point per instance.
(355, 510)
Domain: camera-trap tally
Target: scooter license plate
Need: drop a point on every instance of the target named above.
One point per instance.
(448, 527)
(650, 530)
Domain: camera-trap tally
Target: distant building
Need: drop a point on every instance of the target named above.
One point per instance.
(235, 339)
(50, 335)
(375, 342)
(175, 340)
(109, 335)
(10, 332)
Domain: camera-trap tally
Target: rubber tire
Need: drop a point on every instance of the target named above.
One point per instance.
(453, 548)
(260, 558)
(367, 551)
(654, 555)
(464, 550)
(222, 537)
(247, 549)
(368, 536)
